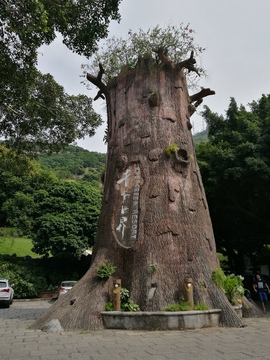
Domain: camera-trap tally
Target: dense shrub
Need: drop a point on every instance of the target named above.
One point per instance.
(30, 277)
(27, 283)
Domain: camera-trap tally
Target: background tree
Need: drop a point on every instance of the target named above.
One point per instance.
(154, 210)
(33, 108)
(14, 174)
(60, 216)
(18, 204)
(65, 219)
(235, 168)
(66, 163)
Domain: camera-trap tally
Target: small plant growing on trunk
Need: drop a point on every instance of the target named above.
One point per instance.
(105, 270)
(153, 268)
(154, 99)
(172, 148)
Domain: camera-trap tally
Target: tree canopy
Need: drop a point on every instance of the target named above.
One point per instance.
(59, 216)
(65, 219)
(34, 109)
(118, 54)
(235, 166)
(75, 163)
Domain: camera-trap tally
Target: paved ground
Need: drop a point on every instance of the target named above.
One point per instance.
(18, 343)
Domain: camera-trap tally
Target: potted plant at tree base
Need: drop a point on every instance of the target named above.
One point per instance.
(232, 286)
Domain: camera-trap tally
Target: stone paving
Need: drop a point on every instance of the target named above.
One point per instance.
(19, 343)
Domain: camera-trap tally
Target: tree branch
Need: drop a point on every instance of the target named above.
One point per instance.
(198, 99)
(163, 56)
(97, 81)
(188, 64)
(203, 93)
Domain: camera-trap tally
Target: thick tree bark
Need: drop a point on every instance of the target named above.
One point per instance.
(251, 309)
(154, 208)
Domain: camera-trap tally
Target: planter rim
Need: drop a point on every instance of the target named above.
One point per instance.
(160, 313)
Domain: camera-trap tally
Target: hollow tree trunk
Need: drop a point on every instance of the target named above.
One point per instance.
(154, 224)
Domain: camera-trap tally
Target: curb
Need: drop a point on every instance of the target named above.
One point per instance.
(35, 299)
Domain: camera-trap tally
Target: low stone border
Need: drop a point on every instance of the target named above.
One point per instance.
(161, 320)
(238, 310)
(49, 294)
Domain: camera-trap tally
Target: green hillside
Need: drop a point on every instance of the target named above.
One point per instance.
(201, 136)
(75, 162)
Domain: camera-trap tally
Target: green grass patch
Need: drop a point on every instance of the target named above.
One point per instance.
(184, 306)
(16, 245)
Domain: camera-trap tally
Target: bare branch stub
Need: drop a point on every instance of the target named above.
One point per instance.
(198, 99)
(99, 95)
(189, 64)
(163, 56)
(97, 81)
(201, 94)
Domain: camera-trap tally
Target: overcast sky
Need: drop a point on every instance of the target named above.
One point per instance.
(234, 32)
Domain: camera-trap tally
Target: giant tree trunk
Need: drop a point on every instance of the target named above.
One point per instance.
(154, 209)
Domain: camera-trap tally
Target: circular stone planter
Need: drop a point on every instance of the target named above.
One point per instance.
(161, 320)
(238, 310)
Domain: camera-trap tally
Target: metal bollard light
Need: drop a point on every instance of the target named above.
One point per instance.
(189, 291)
(116, 294)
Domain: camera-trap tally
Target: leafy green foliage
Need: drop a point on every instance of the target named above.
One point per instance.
(65, 219)
(200, 306)
(232, 284)
(46, 118)
(35, 111)
(105, 270)
(127, 304)
(75, 163)
(170, 149)
(130, 306)
(184, 306)
(235, 167)
(124, 295)
(234, 287)
(120, 54)
(30, 277)
(60, 216)
(108, 306)
(153, 268)
(219, 278)
(25, 284)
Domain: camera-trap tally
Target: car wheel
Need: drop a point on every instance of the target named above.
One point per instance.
(11, 301)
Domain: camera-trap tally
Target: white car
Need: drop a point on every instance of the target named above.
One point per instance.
(65, 287)
(6, 293)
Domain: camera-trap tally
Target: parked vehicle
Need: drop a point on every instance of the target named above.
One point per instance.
(65, 287)
(6, 293)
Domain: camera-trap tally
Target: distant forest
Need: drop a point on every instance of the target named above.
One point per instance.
(201, 136)
(78, 163)
(75, 163)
